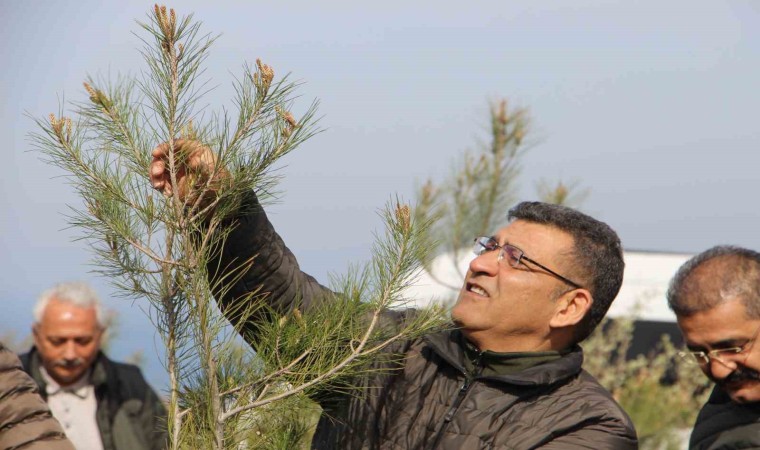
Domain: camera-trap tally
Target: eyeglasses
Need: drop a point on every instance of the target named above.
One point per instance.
(722, 355)
(514, 256)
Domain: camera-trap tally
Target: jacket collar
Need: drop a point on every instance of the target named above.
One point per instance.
(449, 346)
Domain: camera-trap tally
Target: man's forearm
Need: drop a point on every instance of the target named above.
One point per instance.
(253, 264)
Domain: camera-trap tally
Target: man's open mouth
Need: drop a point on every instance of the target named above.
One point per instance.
(475, 289)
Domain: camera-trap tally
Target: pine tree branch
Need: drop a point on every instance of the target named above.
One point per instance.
(269, 376)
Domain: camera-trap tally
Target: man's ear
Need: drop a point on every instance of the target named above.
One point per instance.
(36, 334)
(102, 333)
(571, 308)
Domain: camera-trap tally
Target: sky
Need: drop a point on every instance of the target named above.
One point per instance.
(647, 104)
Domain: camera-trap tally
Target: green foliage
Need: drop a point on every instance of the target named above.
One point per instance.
(327, 347)
(159, 247)
(561, 193)
(288, 425)
(472, 200)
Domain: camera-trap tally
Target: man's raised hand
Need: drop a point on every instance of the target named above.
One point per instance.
(194, 164)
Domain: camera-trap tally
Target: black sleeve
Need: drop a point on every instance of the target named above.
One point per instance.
(273, 274)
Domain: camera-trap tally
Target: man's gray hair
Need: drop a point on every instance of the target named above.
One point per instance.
(719, 274)
(76, 293)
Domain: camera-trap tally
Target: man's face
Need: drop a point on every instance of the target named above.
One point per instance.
(505, 308)
(726, 326)
(68, 339)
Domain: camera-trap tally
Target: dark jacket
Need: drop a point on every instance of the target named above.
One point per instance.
(25, 419)
(429, 400)
(130, 415)
(725, 425)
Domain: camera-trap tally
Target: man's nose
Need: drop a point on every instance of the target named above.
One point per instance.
(720, 368)
(487, 262)
(70, 350)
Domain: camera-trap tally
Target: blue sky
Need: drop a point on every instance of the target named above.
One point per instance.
(650, 105)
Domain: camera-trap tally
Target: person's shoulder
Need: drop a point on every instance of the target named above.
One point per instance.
(25, 359)
(583, 400)
(8, 359)
(125, 369)
(722, 423)
(585, 393)
(587, 384)
(14, 378)
(126, 375)
(727, 426)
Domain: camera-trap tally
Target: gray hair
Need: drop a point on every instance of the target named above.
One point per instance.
(75, 293)
(719, 274)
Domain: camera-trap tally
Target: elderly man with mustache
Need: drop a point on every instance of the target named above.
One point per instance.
(716, 298)
(101, 404)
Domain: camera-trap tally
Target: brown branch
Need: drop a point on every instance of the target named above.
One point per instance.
(269, 376)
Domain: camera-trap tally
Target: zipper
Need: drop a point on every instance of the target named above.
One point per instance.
(461, 394)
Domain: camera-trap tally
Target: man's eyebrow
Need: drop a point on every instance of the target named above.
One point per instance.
(508, 241)
(725, 343)
(68, 336)
(728, 343)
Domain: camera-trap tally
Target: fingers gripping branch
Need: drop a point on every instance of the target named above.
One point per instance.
(198, 173)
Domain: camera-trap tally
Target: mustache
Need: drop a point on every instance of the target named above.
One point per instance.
(739, 375)
(69, 363)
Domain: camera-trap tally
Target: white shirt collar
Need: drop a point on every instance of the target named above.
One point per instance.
(78, 388)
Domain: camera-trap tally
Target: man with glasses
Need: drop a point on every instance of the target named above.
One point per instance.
(508, 375)
(716, 299)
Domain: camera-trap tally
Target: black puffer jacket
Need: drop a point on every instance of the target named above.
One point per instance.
(130, 415)
(725, 425)
(430, 401)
